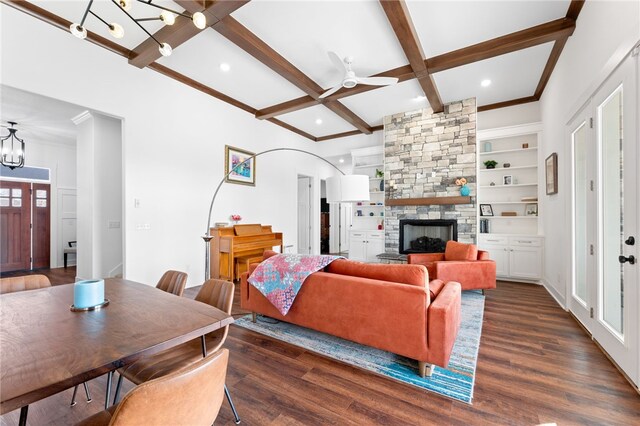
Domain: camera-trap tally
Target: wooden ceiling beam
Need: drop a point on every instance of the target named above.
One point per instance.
(238, 34)
(295, 129)
(519, 40)
(572, 14)
(345, 134)
(183, 29)
(400, 20)
(403, 73)
(509, 103)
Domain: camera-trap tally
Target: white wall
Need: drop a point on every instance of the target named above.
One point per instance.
(61, 160)
(605, 31)
(510, 116)
(173, 146)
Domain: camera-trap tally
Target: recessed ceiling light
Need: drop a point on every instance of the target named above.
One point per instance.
(419, 98)
(318, 121)
(341, 160)
(225, 67)
(485, 83)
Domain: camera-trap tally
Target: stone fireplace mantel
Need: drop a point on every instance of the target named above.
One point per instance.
(439, 201)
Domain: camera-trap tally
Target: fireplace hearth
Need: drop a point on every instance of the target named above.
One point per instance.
(426, 235)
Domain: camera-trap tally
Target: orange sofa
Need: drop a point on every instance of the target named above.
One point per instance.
(389, 307)
(462, 263)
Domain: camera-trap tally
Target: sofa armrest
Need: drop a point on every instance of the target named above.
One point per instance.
(444, 323)
(422, 258)
(471, 274)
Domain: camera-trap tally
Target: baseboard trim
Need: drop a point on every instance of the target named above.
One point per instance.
(555, 294)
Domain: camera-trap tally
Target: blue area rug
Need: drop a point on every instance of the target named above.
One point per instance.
(456, 381)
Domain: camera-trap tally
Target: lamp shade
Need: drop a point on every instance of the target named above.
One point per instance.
(347, 188)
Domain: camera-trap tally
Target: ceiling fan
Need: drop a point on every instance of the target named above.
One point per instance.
(351, 79)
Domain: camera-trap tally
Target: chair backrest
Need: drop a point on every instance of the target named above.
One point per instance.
(25, 282)
(173, 282)
(219, 294)
(190, 396)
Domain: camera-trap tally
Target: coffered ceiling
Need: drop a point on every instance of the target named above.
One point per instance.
(276, 53)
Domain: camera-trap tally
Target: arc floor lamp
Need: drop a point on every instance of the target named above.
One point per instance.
(340, 189)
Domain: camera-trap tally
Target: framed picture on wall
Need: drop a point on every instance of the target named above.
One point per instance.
(507, 180)
(240, 164)
(486, 210)
(551, 173)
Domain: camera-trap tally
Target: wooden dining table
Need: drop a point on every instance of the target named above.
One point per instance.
(46, 348)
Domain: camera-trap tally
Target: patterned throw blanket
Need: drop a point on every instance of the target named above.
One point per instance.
(280, 277)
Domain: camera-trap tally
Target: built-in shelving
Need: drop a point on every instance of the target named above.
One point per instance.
(367, 161)
(507, 151)
(507, 145)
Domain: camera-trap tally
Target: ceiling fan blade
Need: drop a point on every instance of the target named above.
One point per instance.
(337, 62)
(378, 81)
(330, 91)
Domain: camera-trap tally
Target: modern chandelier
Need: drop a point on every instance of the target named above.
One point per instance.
(168, 16)
(12, 149)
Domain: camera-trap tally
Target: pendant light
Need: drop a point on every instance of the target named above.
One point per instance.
(167, 16)
(12, 149)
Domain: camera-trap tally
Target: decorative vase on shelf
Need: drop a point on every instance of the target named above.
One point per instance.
(487, 147)
(382, 185)
(465, 191)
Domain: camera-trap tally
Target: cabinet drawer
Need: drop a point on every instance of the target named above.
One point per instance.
(488, 239)
(357, 234)
(525, 241)
(376, 236)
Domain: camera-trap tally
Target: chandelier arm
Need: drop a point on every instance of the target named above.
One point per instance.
(215, 194)
(86, 12)
(100, 19)
(165, 8)
(137, 23)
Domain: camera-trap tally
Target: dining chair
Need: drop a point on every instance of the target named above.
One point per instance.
(22, 283)
(188, 396)
(217, 293)
(173, 282)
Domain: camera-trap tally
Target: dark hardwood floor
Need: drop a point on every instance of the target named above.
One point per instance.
(536, 365)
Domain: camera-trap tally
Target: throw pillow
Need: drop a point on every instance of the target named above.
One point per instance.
(460, 251)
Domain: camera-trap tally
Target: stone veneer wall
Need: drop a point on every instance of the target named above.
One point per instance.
(424, 153)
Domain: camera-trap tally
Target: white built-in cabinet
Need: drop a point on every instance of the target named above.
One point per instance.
(364, 246)
(517, 256)
(366, 239)
(514, 242)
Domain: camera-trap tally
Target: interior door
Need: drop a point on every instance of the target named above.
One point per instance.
(615, 120)
(304, 215)
(15, 226)
(605, 229)
(41, 235)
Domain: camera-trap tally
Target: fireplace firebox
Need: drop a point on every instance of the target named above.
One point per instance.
(426, 235)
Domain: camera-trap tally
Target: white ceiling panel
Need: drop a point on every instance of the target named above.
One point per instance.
(514, 75)
(372, 106)
(248, 80)
(105, 9)
(305, 119)
(38, 117)
(444, 26)
(304, 31)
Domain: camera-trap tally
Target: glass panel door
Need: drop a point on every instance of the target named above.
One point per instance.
(580, 200)
(610, 121)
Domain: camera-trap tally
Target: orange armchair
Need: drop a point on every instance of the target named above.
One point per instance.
(462, 263)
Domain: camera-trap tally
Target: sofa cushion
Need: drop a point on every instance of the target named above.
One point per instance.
(435, 287)
(460, 251)
(405, 274)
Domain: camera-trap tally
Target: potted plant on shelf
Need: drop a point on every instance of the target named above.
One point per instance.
(490, 164)
(380, 175)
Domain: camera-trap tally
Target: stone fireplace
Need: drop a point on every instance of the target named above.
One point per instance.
(426, 235)
(424, 154)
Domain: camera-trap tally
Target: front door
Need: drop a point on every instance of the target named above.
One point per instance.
(15, 226)
(605, 232)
